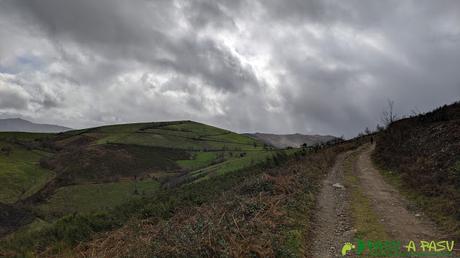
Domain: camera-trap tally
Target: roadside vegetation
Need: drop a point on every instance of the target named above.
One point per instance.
(62, 189)
(365, 221)
(181, 188)
(421, 156)
(262, 209)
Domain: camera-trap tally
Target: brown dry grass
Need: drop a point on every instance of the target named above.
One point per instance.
(421, 156)
(265, 216)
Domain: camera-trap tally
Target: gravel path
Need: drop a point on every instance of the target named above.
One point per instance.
(390, 206)
(333, 225)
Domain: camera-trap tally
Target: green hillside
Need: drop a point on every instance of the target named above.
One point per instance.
(98, 169)
(264, 198)
(186, 135)
(20, 174)
(149, 148)
(95, 197)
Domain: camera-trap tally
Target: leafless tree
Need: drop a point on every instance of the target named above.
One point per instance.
(379, 128)
(415, 112)
(367, 131)
(389, 115)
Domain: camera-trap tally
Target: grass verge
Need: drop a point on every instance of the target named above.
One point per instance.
(365, 220)
(432, 206)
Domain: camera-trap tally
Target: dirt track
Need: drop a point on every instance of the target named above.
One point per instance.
(334, 219)
(390, 205)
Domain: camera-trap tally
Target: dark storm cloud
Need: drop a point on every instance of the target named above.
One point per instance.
(311, 66)
(208, 13)
(374, 50)
(139, 31)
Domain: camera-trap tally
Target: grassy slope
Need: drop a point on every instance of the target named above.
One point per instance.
(212, 150)
(176, 135)
(248, 212)
(195, 138)
(20, 174)
(86, 156)
(207, 147)
(198, 160)
(181, 135)
(233, 164)
(96, 197)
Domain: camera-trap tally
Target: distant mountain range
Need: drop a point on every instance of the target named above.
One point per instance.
(21, 125)
(290, 140)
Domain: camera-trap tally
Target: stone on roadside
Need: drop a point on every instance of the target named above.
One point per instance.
(338, 185)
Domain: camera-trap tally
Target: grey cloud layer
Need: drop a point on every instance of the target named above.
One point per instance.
(278, 66)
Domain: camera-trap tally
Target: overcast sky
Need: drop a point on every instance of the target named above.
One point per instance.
(312, 66)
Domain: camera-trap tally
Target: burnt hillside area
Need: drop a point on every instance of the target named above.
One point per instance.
(424, 151)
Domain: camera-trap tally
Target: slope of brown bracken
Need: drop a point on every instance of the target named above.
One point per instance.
(424, 152)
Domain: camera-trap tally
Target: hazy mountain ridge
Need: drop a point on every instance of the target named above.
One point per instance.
(290, 140)
(21, 125)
